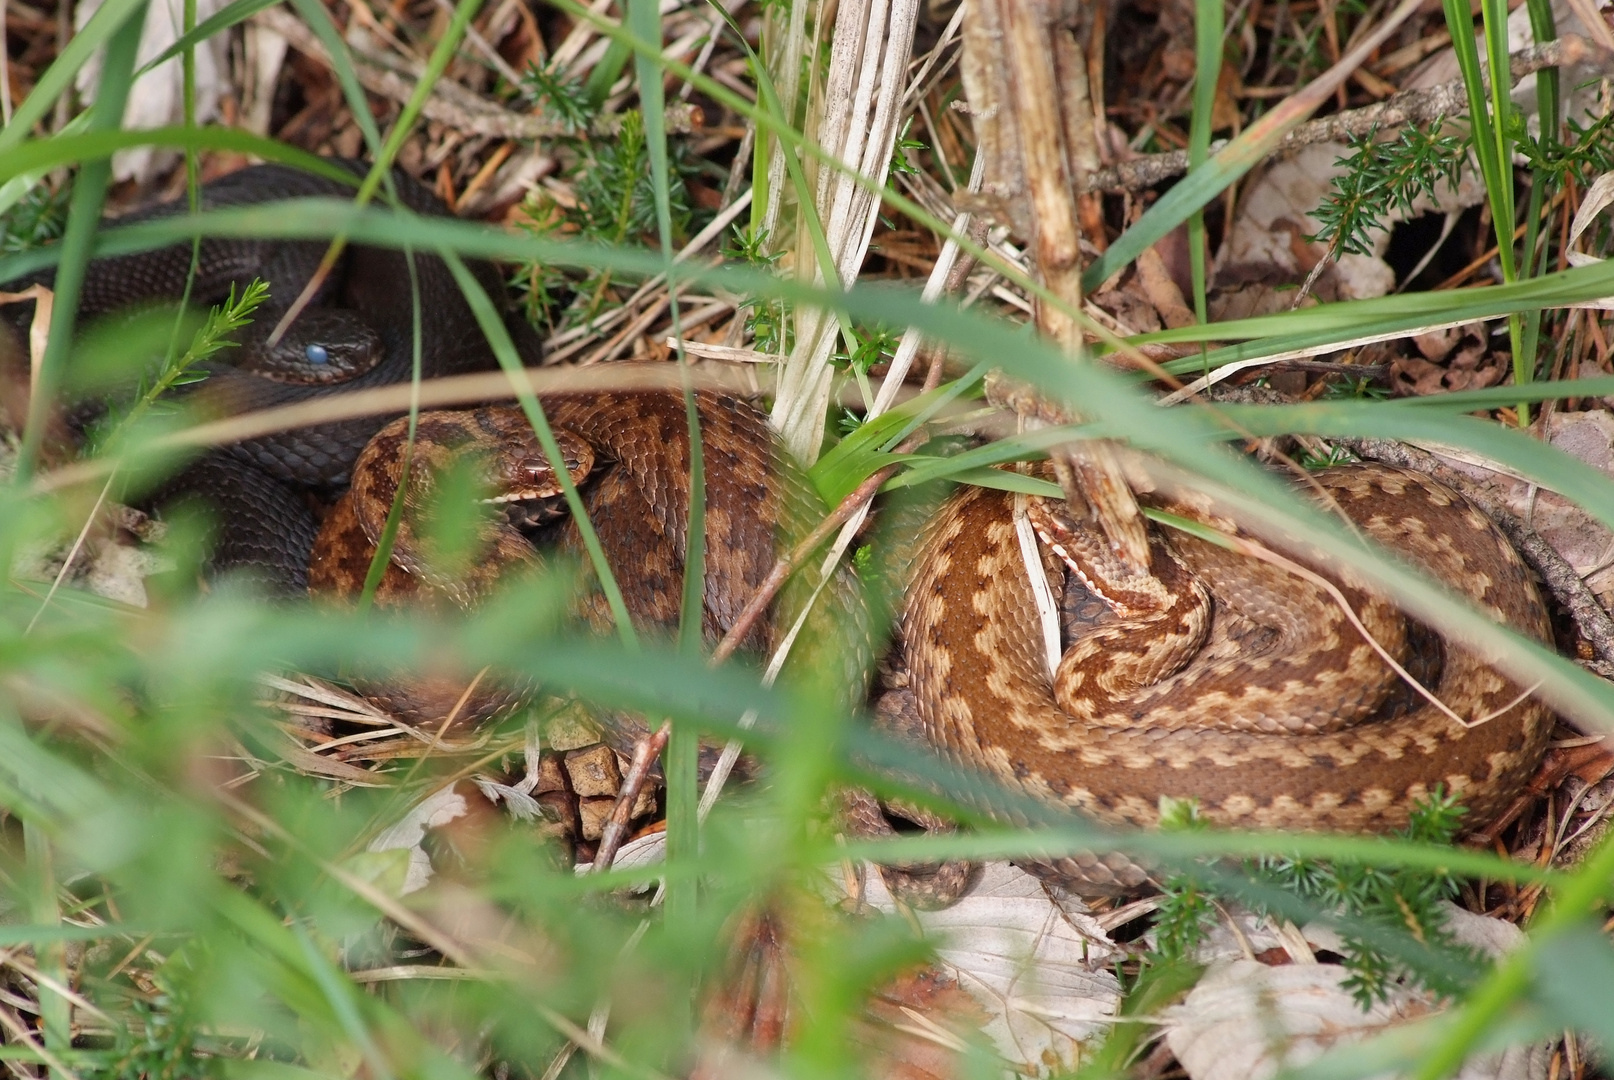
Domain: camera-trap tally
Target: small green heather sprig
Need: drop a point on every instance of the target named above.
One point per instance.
(179, 369)
(1402, 898)
(1386, 175)
(562, 98)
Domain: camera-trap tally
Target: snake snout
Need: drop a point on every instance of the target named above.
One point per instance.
(325, 346)
(538, 478)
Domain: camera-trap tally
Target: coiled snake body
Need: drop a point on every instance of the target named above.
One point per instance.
(1285, 719)
(629, 451)
(1236, 685)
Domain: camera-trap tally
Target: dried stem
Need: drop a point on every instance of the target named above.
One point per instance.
(645, 751)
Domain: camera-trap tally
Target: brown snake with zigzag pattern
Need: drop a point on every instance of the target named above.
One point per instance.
(629, 452)
(1285, 719)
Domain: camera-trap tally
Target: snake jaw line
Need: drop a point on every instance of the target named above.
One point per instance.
(528, 495)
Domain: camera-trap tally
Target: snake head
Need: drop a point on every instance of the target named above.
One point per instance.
(1087, 553)
(323, 347)
(518, 470)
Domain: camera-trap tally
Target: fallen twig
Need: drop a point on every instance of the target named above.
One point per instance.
(645, 752)
(451, 104)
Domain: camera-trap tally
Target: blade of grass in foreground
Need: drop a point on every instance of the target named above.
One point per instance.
(84, 218)
(317, 218)
(504, 349)
(1208, 27)
(683, 747)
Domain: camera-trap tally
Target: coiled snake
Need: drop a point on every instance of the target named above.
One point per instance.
(629, 451)
(1285, 719)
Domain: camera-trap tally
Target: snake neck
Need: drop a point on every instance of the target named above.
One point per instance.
(1162, 621)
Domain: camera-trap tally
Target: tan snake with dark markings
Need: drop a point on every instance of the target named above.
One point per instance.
(1285, 718)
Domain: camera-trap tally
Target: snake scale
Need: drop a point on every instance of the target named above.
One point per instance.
(1282, 717)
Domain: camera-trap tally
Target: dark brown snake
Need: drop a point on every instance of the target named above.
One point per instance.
(1286, 718)
(358, 333)
(629, 453)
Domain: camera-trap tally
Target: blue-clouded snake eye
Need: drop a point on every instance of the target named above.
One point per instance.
(316, 354)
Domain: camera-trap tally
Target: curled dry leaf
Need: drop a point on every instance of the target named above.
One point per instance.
(647, 850)
(435, 810)
(1037, 969)
(1246, 1019)
(1597, 199)
(119, 572)
(1467, 364)
(1268, 243)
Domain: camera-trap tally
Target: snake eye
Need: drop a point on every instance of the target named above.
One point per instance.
(316, 354)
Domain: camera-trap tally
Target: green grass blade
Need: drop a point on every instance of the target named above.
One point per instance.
(1511, 978)
(1574, 969)
(1495, 15)
(84, 218)
(1543, 27)
(499, 338)
(683, 747)
(442, 53)
(41, 155)
(89, 194)
(13, 190)
(1209, 23)
(868, 448)
(238, 11)
(1235, 159)
(358, 103)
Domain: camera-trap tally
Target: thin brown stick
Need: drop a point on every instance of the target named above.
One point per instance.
(645, 752)
(789, 563)
(1038, 89)
(452, 105)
